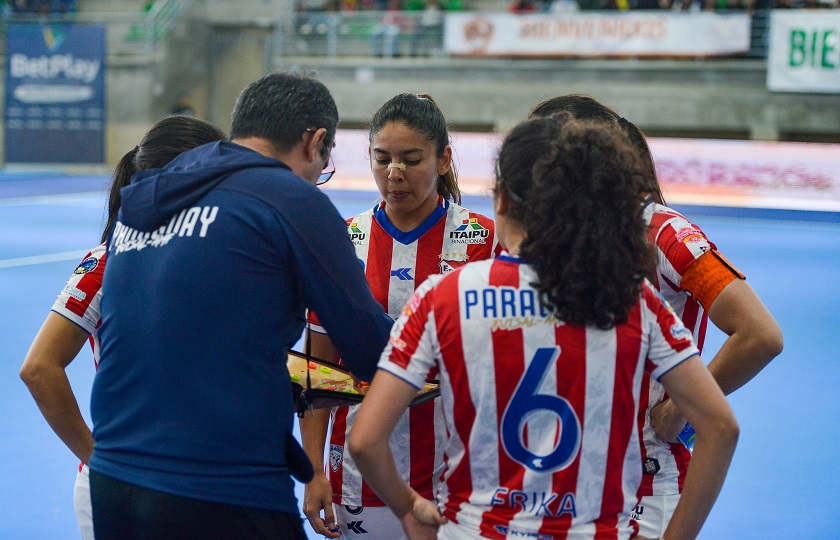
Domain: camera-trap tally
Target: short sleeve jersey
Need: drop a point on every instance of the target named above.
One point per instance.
(677, 243)
(540, 415)
(395, 263)
(80, 299)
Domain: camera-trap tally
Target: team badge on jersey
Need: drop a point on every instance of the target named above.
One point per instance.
(450, 265)
(336, 457)
(86, 266)
(650, 466)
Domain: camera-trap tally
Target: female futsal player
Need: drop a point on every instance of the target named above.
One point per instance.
(540, 354)
(417, 230)
(700, 284)
(75, 314)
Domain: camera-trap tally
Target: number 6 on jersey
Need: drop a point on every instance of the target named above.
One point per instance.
(527, 404)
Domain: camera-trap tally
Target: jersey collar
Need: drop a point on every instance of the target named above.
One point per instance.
(507, 257)
(412, 236)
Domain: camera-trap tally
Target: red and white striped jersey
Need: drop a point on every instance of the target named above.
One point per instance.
(80, 299)
(395, 264)
(678, 243)
(540, 415)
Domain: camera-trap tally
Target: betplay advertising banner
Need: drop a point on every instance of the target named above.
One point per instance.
(55, 93)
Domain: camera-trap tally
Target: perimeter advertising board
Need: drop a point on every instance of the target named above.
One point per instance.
(55, 94)
(597, 34)
(748, 174)
(804, 51)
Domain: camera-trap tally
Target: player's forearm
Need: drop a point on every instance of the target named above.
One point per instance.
(52, 393)
(376, 463)
(313, 435)
(743, 355)
(384, 404)
(56, 345)
(754, 336)
(713, 450)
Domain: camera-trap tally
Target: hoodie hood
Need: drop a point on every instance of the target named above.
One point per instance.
(155, 195)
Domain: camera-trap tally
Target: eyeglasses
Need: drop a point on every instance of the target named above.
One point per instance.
(513, 196)
(329, 167)
(327, 173)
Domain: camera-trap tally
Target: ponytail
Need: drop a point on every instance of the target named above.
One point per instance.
(161, 144)
(122, 177)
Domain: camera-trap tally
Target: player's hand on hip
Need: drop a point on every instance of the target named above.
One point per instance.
(666, 420)
(317, 496)
(423, 521)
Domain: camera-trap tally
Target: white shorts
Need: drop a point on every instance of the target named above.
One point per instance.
(453, 531)
(368, 523)
(653, 514)
(81, 503)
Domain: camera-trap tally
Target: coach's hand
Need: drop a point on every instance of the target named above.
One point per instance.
(317, 496)
(423, 521)
(667, 421)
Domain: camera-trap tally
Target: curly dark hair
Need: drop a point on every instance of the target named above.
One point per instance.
(574, 187)
(588, 108)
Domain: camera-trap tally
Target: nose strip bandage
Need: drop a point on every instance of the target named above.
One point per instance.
(400, 166)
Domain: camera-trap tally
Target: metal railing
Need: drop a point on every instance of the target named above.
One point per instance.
(402, 34)
(759, 34)
(359, 33)
(125, 34)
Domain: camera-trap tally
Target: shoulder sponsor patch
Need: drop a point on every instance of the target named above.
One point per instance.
(687, 236)
(680, 332)
(87, 265)
(75, 292)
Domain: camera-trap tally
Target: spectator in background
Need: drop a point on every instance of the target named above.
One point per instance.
(385, 35)
(453, 5)
(43, 7)
(182, 106)
(592, 5)
(644, 4)
(805, 4)
(428, 27)
(521, 7)
(681, 5)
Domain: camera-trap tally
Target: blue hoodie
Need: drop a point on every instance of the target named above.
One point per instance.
(210, 268)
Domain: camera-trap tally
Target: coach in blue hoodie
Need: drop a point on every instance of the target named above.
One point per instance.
(210, 267)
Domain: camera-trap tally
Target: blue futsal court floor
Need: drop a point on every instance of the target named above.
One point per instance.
(785, 478)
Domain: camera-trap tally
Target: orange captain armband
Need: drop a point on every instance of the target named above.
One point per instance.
(709, 275)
